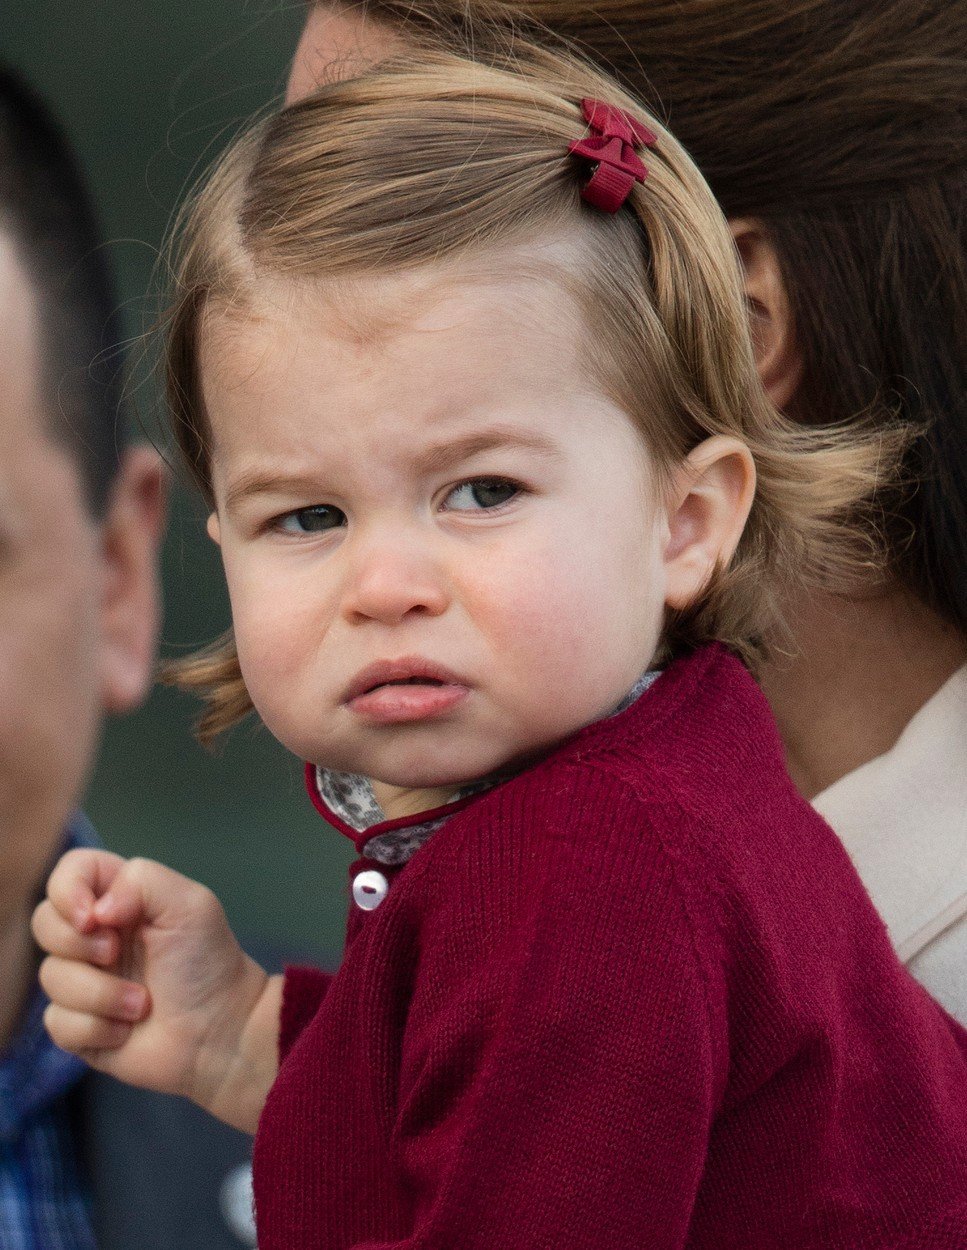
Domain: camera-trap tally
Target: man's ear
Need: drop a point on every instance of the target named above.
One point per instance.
(777, 354)
(708, 506)
(131, 534)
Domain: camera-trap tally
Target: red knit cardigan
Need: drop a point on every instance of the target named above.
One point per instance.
(635, 997)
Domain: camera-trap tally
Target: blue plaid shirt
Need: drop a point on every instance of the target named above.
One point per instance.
(44, 1199)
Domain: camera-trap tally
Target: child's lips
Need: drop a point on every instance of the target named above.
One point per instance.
(395, 703)
(407, 689)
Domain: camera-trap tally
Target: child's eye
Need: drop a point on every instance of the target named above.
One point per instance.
(315, 520)
(481, 492)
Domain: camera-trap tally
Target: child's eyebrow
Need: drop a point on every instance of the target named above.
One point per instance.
(256, 483)
(436, 458)
(443, 455)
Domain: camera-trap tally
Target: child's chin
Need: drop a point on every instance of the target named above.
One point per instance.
(427, 780)
(431, 764)
(432, 774)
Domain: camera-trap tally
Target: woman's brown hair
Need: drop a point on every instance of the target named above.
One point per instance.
(436, 160)
(843, 129)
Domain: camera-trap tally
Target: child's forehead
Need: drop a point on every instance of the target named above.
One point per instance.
(387, 365)
(399, 351)
(378, 311)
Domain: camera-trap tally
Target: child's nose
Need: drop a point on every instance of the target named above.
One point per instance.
(392, 580)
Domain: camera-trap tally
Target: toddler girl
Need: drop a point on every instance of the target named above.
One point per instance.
(460, 360)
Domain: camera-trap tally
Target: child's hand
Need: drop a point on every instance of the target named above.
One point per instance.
(148, 984)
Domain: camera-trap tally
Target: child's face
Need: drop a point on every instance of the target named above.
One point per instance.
(424, 478)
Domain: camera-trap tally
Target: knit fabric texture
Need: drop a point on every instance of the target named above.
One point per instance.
(634, 996)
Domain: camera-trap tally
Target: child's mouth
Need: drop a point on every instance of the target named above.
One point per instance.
(407, 681)
(393, 692)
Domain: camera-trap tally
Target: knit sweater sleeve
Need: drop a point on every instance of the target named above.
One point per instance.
(562, 1065)
(302, 993)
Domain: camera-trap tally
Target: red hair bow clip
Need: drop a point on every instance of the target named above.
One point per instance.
(611, 145)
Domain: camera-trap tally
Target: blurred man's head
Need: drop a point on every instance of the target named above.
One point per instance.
(80, 514)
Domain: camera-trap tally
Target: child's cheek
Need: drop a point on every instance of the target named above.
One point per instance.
(581, 618)
(274, 623)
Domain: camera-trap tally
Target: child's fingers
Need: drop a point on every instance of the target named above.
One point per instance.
(83, 1034)
(58, 936)
(145, 892)
(79, 879)
(128, 900)
(81, 988)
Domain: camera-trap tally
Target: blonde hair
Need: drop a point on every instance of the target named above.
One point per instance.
(439, 157)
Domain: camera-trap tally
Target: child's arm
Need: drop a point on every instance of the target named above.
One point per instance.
(148, 983)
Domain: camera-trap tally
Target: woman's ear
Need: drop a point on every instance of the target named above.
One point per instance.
(131, 534)
(338, 41)
(213, 528)
(771, 321)
(708, 506)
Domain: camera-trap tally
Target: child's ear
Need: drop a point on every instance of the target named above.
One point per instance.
(213, 528)
(708, 506)
(130, 536)
(777, 355)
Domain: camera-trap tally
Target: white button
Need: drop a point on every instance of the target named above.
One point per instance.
(235, 1201)
(369, 889)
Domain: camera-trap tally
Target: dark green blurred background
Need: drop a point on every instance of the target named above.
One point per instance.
(149, 92)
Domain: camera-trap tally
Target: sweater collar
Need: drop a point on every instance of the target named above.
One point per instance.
(347, 802)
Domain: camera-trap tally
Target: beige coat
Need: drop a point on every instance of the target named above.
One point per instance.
(903, 819)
